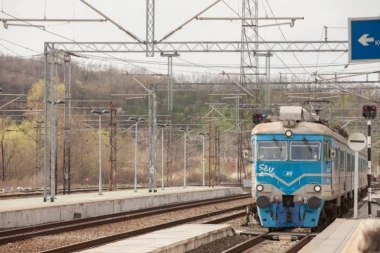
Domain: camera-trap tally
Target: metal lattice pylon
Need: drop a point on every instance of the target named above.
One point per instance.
(249, 61)
(248, 70)
(150, 12)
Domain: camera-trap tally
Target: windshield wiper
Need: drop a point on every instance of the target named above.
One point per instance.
(277, 144)
(307, 143)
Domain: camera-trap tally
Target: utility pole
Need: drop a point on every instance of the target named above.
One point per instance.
(38, 147)
(67, 125)
(169, 153)
(211, 154)
(113, 151)
(152, 140)
(267, 83)
(170, 109)
(217, 155)
(2, 149)
(52, 130)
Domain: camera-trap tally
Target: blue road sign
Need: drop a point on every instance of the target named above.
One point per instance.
(364, 39)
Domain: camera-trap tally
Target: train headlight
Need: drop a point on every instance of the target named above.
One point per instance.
(259, 188)
(317, 188)
(288, 133)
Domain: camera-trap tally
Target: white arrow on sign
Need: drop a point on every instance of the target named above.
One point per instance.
(364, 40)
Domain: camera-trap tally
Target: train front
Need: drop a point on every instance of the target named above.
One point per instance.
(288, 173)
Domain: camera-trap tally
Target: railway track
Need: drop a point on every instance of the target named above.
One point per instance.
(39, 192)
(266, 240)
(14, 235)
(302, 239)
(121, 236)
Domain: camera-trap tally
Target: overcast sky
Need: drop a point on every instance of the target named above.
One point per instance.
(171, 13)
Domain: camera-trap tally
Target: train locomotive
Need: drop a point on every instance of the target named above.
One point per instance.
(303, 171)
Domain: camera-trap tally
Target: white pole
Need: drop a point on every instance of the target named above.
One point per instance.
(100, 155)
(136, 157)
(53, 157)
(203, 160)
(162, 158)
(184, 159)
(356, 184)
(369, 175)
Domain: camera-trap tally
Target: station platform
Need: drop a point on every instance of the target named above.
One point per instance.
(342, 235)
(173, 240)
(23, 212)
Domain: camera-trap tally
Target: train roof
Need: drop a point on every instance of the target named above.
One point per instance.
(300, 128)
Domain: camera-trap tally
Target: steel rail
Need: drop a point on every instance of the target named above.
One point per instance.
(60, 227)
(227, 218)
(247, 244)
(117, 237)
(299, 245)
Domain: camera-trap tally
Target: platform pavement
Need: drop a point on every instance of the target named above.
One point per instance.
(341, 236)
(32, 211)
(178, 239)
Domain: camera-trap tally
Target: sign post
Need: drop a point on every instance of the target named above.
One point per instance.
(356, 142)
(364, 39)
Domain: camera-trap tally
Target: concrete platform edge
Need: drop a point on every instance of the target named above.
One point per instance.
(55, 212)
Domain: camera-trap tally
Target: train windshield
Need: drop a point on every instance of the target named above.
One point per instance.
(272, 150)
(305, 150)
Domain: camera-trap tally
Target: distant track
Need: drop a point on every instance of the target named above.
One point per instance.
(39, 192)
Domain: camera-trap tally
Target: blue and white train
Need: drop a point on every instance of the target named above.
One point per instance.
(302, 171)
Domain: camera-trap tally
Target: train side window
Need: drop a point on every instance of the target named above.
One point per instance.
(349, 163)
(326, 151)
(360, 165)
(341, 158)
(336, 160)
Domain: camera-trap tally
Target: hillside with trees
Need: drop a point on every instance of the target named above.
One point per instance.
(22, 131)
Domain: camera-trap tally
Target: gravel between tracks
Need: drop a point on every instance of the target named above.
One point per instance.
(220, 245)
(271, 246)
(59, 240)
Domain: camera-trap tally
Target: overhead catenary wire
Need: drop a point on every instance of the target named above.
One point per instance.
(265, 44)
(164, 69)
(63, 37)
(129, 61)
(350, 92)
(279, 27)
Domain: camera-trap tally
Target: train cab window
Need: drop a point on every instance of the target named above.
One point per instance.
(305, 151)
(272, 150)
